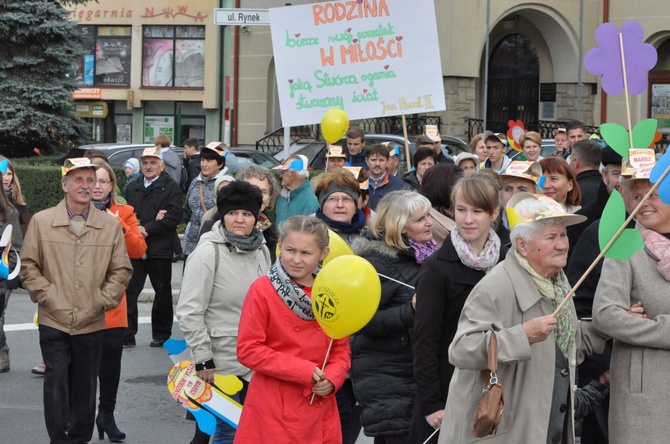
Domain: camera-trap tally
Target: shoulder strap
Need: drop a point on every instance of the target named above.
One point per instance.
(216, 256)
(493, 353)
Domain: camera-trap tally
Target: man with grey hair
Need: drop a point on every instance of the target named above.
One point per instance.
(75, 266)
(585, 163)
(157, 200)
(296, 196)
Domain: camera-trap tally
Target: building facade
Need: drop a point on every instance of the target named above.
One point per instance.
(164, 66)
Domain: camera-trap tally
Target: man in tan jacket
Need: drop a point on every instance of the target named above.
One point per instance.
(75, 265)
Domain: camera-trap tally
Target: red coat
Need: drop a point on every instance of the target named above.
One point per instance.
(136, 246)
(283, 350)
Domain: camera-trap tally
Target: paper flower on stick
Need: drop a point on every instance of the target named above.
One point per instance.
(618, 137)
(630, 239)
(605, 60)
(514, 133)
(657, 174)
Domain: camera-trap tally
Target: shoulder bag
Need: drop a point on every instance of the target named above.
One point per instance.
(490, 408)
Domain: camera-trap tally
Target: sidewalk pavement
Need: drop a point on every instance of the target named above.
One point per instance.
(148, 293)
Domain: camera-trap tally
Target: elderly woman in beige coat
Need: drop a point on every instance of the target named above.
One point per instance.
(639, 397)
(537, 353)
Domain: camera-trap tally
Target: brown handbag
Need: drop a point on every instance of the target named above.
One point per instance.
(491, 405)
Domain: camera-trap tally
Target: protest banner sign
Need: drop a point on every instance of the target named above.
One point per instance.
(370, 58)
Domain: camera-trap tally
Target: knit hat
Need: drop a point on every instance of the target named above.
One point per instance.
(239, 195)
(333, 187)
(132, 163)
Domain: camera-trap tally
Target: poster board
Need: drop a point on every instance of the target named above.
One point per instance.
(370, 58)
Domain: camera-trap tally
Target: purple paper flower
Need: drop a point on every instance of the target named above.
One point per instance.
(606, 58)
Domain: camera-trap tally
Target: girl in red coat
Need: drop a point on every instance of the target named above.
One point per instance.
(281, 341)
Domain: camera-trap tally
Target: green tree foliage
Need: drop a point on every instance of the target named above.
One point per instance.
(39, 46)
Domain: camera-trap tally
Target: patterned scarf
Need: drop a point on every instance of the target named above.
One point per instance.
(102, 205)
(422, 250)
(245, 243)
(263, 222)
(658, 247)
(291, 293)
(555, 289)
(356, 225)
(485, 260)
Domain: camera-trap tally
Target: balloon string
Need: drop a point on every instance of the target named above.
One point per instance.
(323, 366)
(431, 436)
(396, 281)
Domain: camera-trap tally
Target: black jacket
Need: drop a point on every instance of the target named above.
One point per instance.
(192, 165)
(163, 194)
(381, 353)
(443, 285)
(412, 181)
(589, 183)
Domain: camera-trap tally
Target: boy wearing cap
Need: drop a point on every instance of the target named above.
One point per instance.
(75, 266)
(495, 148)
(296, 196)
(157, 200)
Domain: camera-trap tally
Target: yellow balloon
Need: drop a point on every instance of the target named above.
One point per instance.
(36, 320)
(345, 295)
(338, 247)
(334, 125)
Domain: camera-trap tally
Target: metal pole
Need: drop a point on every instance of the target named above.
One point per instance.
(579, 72)
(486, 63)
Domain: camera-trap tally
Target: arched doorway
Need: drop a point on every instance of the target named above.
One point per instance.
(514, 82)
(659, 90)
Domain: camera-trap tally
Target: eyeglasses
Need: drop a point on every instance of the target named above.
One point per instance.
(104, 182)
(335, 200)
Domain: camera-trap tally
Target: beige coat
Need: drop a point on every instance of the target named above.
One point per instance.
(442, 226)
(503, 300)
(74, 278)
(639, 396)
(210, 301)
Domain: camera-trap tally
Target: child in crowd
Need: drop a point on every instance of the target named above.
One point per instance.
(280, 340)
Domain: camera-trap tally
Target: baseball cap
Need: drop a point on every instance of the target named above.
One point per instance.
(335, 151)
(75, 163)
(154, 151)
(295, 163)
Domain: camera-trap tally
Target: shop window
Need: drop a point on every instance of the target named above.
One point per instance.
(178, 120)
(106, 59)
(173, 56)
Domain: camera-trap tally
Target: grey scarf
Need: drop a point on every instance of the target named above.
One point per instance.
(291, 293)
(245, 243)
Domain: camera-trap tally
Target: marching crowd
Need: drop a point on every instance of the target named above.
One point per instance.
(468, 249)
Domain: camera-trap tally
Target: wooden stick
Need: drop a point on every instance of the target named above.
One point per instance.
(408, 159)
(611, 242)
(625, 91)
(323, 366)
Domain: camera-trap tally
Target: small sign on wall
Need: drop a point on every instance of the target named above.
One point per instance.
(548, 110)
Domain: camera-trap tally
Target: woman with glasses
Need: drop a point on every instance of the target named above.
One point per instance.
(338, 194)
(116, 320)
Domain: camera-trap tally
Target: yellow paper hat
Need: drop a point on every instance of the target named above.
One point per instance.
(76, 163)
(524, 170)
(520, 209)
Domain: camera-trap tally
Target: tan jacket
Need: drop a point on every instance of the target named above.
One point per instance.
(74, 279)
(503, 300)
(442, 226)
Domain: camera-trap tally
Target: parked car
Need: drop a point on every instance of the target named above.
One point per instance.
(451, 147)
(237, 159)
